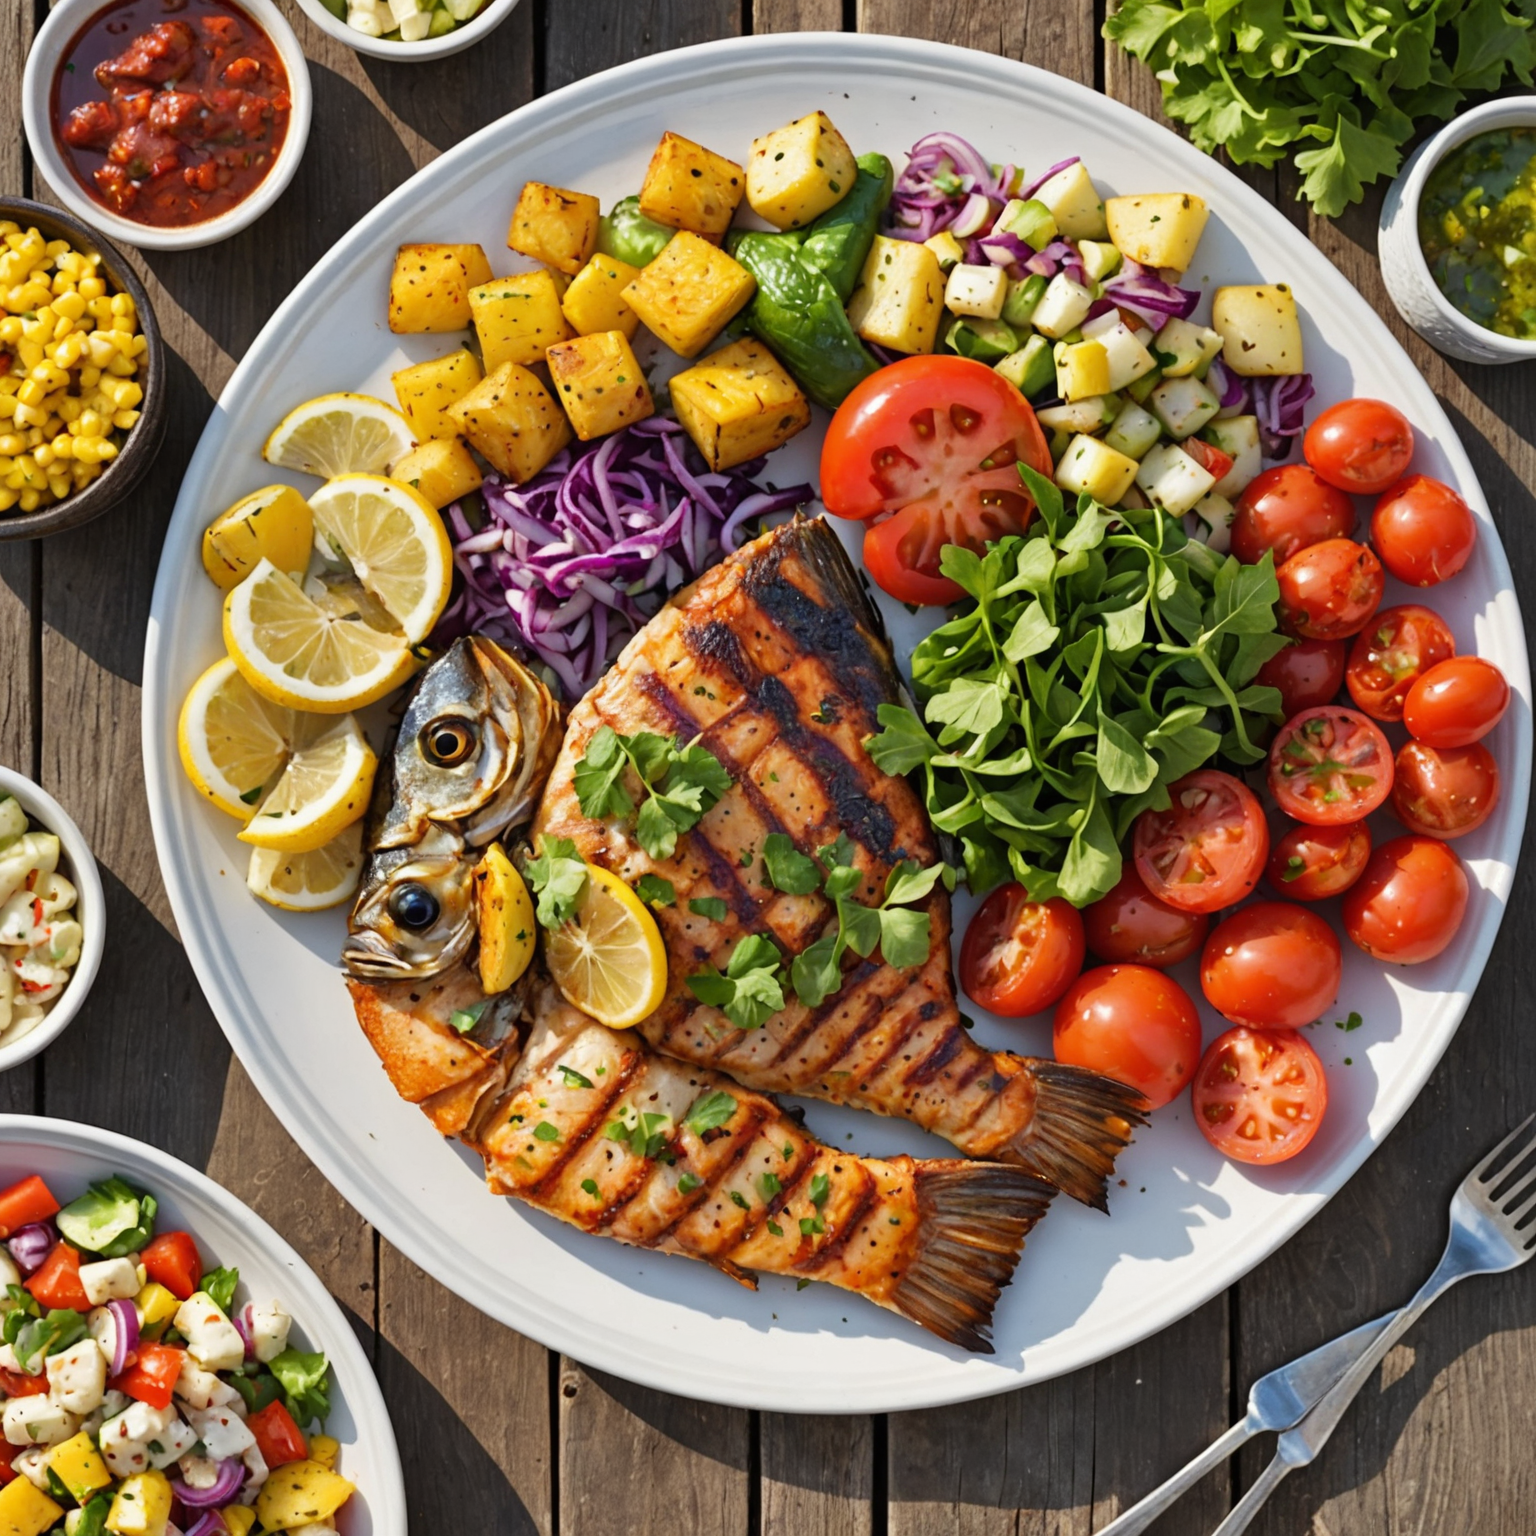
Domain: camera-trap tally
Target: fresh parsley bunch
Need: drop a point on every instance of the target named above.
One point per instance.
(1343, 83)
(1100, 657)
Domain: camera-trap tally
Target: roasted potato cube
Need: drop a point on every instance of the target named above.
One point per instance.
(689, 293)
(595, 300)
(599, 383)
(901, 298)
(426, 390)
(799, 171)
(510, 418)
(441, 468)
(738, 403)
(301, 1493)
(1158, 229)
(555, 226)
(518, 318)
(690, 187)
(429, 288)
(1259, 328)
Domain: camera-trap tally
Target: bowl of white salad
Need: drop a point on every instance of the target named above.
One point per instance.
(407, 31)
(52, 919)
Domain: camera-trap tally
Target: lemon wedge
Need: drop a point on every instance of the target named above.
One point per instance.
(505, 914)
(309, 882)
(394, 541)
(274, 522)
(339, 435)
(296, 653)
(233, 742)
(323, 789)
(608, 958)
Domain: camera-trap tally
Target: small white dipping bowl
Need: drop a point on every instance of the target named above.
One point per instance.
(65, 21)
(1403, 267)
(78, 866)
(461, 37)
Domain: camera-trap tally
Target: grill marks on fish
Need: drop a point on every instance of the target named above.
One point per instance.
(934, 1241)
(774, 661)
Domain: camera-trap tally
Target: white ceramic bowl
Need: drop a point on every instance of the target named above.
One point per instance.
(1403, 268)
(64, 22)
(462, 37)
(70, 1156)
(78, 865)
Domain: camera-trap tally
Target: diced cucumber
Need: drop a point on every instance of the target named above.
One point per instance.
(1129, 360)
(1100, 259)
(976, 290)
(1080, 415)
(1022, 297)
(1135, 432)
(13, 820)
(1142, 389)
(1032, 222)
(946, 248)
(1172, 480)
(987, 341)
(1031, 369)
(464, 10)
(1183, 406)
(1060, 441)
(442, 22)
(1238, 438)
(1184, 347)
(1062, 308)
(1215, 513)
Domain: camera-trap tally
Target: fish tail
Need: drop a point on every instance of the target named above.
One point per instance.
(973, 1218)
(1082, 1121)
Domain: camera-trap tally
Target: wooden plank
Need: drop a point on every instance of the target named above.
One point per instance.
(817, 1476)
(1050, 33)
(15, 39)
(581, 39)
(797, 15)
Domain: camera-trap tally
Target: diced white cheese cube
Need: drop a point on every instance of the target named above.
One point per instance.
(110, 1280)
(9, 1362)
(77, 1377)
(33, 1465)
(980, 291)
(415, 29)
(103, 1330)
(1063, 307)
(1172, 479)
(171, 1444)
(111, 1405)
(255, 1474)
(269, 1327)
(198, 1471)
(212, 1340)
(198, 1388)
(37, 1420)
(222, 1432)
(125, 1437)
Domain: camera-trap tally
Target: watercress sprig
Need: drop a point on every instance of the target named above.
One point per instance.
(679, 784)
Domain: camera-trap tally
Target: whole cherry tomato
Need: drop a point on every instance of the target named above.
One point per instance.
(1286, 508)
(1307, 673)
(1456, 702)
(1329, 591)
(1207, 850)
(1360, 445)
(1271, 965)
(1328, 766)
(1260, 1095)
(1313, 863)
(1131, 926)
(1018, 955)
(1410, 901)
(1423, 531)
(1444, 791)
(1390, 655)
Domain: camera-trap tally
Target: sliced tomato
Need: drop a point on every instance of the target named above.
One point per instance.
(1444, 791)
(1207, 850)
(1271, 965)
(1284, 509)
(1410, 901)
(1130, 926)
(24, 1203)
(57, 1282)
(152, 1376)
(1260, 1094)
(1392, 653)
(1019, 955)
(940, 439)
(1329, 766)
(172, 1260)
(1329, 591)
(1313, 863)
(1307, 673)
(1456, 703)
(1212, 460)
(279, 1439)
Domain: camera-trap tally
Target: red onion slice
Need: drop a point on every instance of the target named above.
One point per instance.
(125, 1334)
(210, 1523)
(242, 1322)
(32, 1244)
(225, 1487)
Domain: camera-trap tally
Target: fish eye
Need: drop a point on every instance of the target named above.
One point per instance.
(447, 741)
(413, 906)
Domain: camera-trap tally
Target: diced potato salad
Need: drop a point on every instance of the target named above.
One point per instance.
(405, 21)
(39, 932)
(132, 1377)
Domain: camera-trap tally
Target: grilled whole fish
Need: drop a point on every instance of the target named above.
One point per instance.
(774, 660)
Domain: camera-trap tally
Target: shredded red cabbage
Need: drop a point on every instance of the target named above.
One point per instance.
(570, 565)
(1156, 300)
(1058, 256)
(1280, 405)
(947, 184)
(1004, 249)
(1228, 387)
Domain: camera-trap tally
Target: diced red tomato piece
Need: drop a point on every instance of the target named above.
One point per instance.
(278, 1438)
(172, 1259)
(18, 1384)
(57, 1282)
(24, 1203)
(152, 1377)
(8, 1473)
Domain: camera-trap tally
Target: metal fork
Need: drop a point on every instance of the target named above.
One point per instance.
(1493, 1228)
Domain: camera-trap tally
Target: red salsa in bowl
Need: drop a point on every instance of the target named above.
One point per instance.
(171, 112)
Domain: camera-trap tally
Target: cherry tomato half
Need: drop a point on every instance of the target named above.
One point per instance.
(1284, 510)
(1313, 863)
(937, 439)
(1456, 702)
(1329, 591)
(1410, 901)
(1360, 445)
(1260, 1095)
(1423, 531)
(1390, 655)
(1444, 791)
(1018, 955)
(1131, 1023)
(1207, 850)
(1271, 965)
(1307, 673)
(1130, 926)
(1328, 766)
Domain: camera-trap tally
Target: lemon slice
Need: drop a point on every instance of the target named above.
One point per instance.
(339, 435)
(322, 791)
(395, 542)
(295, 653)
(274, 522)
(233, 742)
(505, 915)
(309, 882)
(608, 958)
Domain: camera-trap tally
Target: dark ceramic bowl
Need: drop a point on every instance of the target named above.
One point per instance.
(138, 450)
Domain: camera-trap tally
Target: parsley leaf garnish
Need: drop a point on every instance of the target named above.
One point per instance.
(544, 1131)
(687, 1183)
(679, 784)
(573, 1078)
(558, 877)
(789, 870)
(463, 1020)
(645, 1134)
(751, 988)
(653, 889)
(1349, 1025)
(709, 1111)
(712, 907)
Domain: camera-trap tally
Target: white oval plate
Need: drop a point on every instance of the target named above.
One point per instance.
(71, 1156)
(1186, 1223)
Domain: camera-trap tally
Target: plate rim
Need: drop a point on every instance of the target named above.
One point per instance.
(716, 62)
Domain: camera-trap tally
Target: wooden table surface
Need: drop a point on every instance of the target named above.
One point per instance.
(497, 1434)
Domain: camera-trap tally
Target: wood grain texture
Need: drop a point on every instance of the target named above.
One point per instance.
(1054, 35)
(582, 38)
(817, 1475)
(797, 15)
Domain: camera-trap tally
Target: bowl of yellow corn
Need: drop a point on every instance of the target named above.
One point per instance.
(82, 376)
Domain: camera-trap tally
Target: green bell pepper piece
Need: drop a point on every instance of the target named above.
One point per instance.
(838, 242)
(624, 232)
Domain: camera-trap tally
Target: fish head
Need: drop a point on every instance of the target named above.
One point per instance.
(415, 915)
